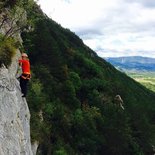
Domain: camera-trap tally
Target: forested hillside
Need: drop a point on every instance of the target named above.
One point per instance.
(71, 96)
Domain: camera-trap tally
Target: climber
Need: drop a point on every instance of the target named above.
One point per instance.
(25, 77)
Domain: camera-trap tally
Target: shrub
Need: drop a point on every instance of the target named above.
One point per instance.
(7, 50)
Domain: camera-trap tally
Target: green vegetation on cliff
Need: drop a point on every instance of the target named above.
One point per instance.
(12, 22)
(71, 97)
(7, 50)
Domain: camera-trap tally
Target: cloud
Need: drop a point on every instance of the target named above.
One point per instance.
(146, 3)
(115, 27)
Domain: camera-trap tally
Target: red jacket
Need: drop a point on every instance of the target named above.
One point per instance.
(25, 66)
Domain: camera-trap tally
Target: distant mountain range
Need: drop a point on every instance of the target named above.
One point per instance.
(134, 63)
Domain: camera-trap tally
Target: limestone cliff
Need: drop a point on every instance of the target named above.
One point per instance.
(14, 114)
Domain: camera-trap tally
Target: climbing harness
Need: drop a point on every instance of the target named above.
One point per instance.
(26, 76)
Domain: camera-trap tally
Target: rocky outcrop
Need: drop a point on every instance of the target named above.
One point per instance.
(14, 114)
(12, 21)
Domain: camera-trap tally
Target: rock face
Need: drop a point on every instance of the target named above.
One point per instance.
(14, 114)
(35, 147)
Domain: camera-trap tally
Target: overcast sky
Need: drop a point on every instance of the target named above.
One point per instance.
(112, 28)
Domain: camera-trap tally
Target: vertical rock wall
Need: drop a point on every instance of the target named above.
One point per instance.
(14, 114)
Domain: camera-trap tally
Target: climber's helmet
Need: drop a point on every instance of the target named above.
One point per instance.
(24, 55)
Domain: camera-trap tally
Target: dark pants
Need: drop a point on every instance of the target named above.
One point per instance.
(23, 85)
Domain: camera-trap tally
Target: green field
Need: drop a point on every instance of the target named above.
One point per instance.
(145, 78)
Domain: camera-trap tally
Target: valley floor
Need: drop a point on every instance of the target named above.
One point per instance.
(145, 78)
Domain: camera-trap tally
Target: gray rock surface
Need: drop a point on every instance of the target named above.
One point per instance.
(35, 145)
(14, 114)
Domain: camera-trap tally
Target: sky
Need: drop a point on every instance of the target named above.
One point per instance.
(112, 28)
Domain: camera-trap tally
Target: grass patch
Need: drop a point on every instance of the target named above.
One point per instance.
(7, 50)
